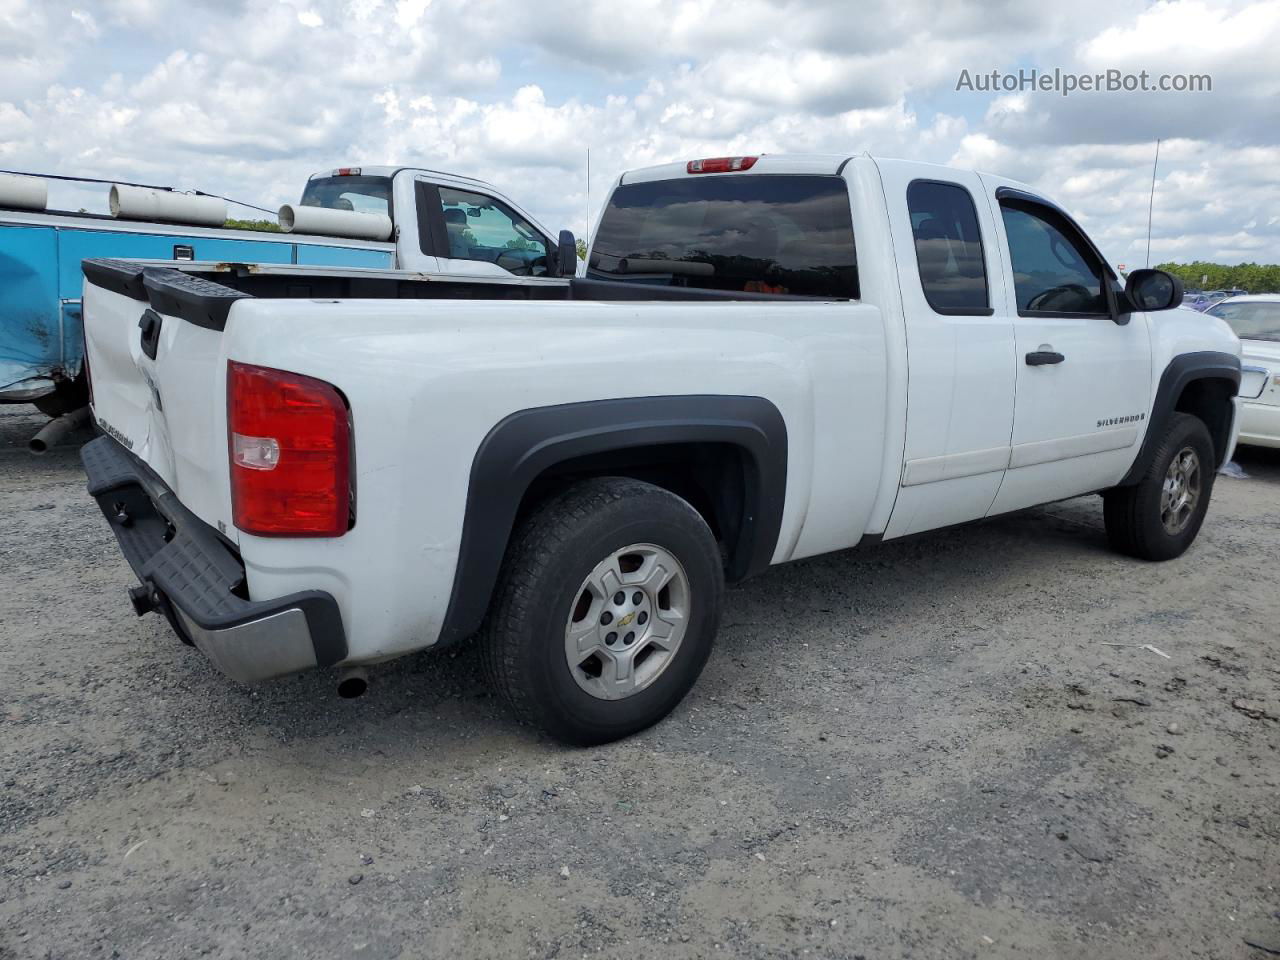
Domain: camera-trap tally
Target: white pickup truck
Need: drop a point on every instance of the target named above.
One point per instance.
(769, 358)
(432, 221)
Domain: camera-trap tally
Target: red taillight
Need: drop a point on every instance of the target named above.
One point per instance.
(289, 439)
(721, 164)
(347, 172)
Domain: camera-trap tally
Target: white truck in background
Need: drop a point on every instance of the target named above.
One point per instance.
(769, 358)
(437, 222)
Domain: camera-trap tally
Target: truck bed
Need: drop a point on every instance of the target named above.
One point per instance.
(207, 290)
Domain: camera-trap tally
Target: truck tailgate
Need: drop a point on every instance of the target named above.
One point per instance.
(159, 384)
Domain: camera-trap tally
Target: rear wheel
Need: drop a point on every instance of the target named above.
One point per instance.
(1158, 517)
(605, 610)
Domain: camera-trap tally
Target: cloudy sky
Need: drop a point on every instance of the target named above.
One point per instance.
(247, 97)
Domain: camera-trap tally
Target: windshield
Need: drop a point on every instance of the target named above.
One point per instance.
(1250, 319)
(754, 233)
(361, 194)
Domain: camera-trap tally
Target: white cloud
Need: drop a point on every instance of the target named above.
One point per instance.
(979, 151)
(85, 19)
(247, 97)
(410, 12)
(1190, 30)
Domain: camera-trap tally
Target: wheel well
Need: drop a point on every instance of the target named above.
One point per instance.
(715, 479)
(726, 454)
(1209, 399)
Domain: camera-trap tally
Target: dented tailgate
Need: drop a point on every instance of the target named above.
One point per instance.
(159, 382)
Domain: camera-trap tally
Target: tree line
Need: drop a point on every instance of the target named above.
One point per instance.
(1253, 277)
(268, 226)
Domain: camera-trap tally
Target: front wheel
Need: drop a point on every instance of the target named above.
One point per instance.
(605, 611)
(1158, 517)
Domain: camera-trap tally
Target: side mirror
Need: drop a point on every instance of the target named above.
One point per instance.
(1153, 290)
(566, 259)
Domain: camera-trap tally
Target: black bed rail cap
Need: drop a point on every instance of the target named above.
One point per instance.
(194, 299)
(118, 276)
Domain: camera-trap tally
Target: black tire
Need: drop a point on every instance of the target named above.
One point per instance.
(67, 396)
(550, 555)
(1133, 514)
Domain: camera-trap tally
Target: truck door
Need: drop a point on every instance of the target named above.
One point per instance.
(959, 346)
(1083, 370)
(480, 235)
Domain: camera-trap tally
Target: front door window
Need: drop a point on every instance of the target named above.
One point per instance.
(482, 228)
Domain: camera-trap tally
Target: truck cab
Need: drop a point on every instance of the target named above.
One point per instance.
(443, 222)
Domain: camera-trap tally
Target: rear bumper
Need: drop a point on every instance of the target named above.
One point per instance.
(191, 576)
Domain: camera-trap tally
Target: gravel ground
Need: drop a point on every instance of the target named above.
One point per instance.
(922, 749)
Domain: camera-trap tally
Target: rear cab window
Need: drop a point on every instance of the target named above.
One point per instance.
(755, 233)
(360, 194)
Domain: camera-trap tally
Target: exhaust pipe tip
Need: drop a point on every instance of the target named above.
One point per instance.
(352, 682)
(53, 432)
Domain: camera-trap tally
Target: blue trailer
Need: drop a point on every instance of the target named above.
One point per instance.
(41, 340)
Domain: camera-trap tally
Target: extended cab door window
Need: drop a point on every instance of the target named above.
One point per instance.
(759, 233)
(944, 224)
(482, 228)
(1055, 273)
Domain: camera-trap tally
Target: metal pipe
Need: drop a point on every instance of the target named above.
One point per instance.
(53, 432)
(352, 682)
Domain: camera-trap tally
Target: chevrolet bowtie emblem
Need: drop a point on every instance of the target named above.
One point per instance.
(627, 619)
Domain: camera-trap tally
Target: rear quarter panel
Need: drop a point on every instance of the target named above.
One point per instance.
(427, 381)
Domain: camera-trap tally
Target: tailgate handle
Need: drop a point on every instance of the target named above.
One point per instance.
(150, 326)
